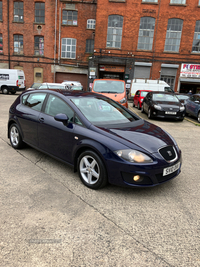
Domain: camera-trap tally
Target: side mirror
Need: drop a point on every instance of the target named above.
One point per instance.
(62, 118)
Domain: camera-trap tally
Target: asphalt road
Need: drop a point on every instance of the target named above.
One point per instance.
(49, 218)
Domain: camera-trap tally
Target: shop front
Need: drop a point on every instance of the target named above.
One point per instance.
(189, 78)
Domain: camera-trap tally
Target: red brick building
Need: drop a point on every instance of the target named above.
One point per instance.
(153, 39)
(57, 40)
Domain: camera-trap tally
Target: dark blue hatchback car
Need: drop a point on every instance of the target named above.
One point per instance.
(102, 140)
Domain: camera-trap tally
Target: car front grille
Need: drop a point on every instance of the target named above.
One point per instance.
(168, 153)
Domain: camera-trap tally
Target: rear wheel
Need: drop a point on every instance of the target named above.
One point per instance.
(91, 170)
(198, 117)
(13, 93)
(15, 136)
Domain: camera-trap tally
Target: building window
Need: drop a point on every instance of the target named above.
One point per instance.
(39, 12)
(196, 40)
(151, 1)
(39, 45)
(178, 2)
(114, 34)
(91, 23)
(1, 43)
(68, 48)
(146, 33)
(173, 35)
(89, 46)
(169, 80)
(18, 44)
(0, 10)
(199, 2)
(69, 17)
(18, 11)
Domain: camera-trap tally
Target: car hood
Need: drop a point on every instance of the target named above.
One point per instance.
(167, 105)
(143, 134)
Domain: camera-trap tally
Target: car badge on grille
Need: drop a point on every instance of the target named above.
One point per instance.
(171, 108)
(169, 153)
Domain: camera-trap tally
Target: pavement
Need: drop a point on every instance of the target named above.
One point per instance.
(49, 218)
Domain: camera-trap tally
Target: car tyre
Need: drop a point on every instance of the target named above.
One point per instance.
(149, 114)
(13, 93)
(15, 137)
(5, 90)
(133, 104)
(142, 109)
(198, 117)
(138, 106)
(91, 170)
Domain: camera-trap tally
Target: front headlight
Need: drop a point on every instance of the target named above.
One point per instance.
(182, 108)
(123, 100)
(157, 107)
(133, 156)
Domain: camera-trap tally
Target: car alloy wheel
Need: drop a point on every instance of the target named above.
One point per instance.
(91, 170)
(15, 137)
(198, 117)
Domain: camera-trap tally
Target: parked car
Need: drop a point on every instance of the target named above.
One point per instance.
(101, 139)
(182, 97)
(138, 98)
(77, 87)
(35, 86)
(163, 105)
(72, 85)
(52, 86)
(193, 106)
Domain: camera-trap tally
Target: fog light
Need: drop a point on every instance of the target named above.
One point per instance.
(136, 178)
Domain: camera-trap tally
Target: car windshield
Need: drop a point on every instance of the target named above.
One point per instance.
(101, 111)
(182, 97)
(143, 94)
(35, 85)
(77, 87)
(108, 86)
(165, 98)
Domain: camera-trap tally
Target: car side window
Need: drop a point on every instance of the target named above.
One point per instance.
(35, 101)
(24, 97)
(192, 98)
(55, 105)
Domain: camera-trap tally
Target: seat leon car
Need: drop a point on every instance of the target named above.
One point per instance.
(102, 140)
(163, 105)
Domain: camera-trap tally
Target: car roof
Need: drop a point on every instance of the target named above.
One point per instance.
(68, 93)
(163, 92)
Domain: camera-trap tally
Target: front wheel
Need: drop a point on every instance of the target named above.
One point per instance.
(149, 114)
(91, 170)
(15, 137)
(142, 109)
(138, 106)
(5, 91)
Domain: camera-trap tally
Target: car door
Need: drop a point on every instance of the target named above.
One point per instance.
(28, 119)
(136, 98)
(56, 138)
(147, 101)
(191, 105)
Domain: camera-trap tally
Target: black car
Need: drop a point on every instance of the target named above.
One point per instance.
(163, 105)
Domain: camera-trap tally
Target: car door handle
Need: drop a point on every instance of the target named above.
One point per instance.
(41, 119)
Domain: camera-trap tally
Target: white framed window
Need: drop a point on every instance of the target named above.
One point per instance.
(68, 48)
(178, 2)
(91, 23)
(151, 1)
(69, 17)
(146, 33)
(173, 35)
(196, 39)
(114, 33)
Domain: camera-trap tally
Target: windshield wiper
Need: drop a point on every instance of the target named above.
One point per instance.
(109, 92)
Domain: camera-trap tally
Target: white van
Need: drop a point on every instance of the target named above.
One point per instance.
(145, 84)
(12, 80)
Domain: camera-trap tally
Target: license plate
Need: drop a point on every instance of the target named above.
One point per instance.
(170, 112)
(171, 169)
